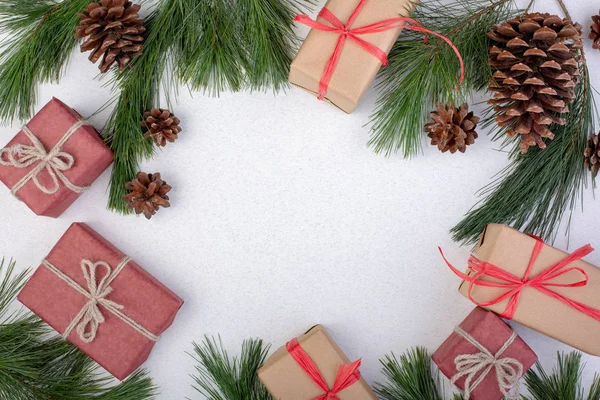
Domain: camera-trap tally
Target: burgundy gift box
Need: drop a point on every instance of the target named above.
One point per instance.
(134, 308)
(505, 354)
(76, 163)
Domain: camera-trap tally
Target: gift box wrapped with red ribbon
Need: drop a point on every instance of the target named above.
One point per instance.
(520, 278)
(348, 44)
(53, 159)
(100, 300)
(313, 367)
(484, 357)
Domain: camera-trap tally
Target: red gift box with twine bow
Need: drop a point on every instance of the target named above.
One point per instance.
(100, 300)
(53, 159)
(484, 357)
(313, 367)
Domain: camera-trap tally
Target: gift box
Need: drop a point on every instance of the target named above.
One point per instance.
(484, 357)
(100, 300)
(53, 159)
(356, 67)
(332, 373)
(536, 285)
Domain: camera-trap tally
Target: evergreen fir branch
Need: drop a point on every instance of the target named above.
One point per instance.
(563, 383)
(37, 365)
(220, 377)
(38, 45)
(535, 191)
(421, 74)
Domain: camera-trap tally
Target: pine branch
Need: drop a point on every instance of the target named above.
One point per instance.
(221, 378)
(564, 383)
(39, 43)
(421, 74)
(37, 365)
(535, 191)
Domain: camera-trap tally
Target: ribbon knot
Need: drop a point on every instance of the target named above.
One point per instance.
(345, 31)
(475, 367)
(54, 162)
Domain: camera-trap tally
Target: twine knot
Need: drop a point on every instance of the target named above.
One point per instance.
(475, 367)
(55, 161)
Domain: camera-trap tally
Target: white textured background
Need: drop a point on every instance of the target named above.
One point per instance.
(282, 218)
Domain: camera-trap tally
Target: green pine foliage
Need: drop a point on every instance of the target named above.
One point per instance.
(39, 40)
(421, 74)
(35, 364)
(220, 377)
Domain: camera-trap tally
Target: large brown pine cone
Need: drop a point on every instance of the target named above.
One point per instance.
(161, 125)
(592, 155)
(147, 192)
(452, 128)
(113, 30)
(535, 59)
(595, 32)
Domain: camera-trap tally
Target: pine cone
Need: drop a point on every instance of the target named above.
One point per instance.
(535, 60)
(592, 155)
(161, 125)
(147, 192)
(453, 128)
(595, 32)
(115, 32)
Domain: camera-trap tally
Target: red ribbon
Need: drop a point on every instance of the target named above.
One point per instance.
(346, 32)
(515, 286)
(347, 375)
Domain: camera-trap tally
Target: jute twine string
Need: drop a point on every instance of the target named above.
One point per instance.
(87, 321)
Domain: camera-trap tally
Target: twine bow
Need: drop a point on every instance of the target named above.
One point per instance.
(89, 319)
(347, 32)
(515, 286)
(55, 161)
(348, 374)
(475, 367)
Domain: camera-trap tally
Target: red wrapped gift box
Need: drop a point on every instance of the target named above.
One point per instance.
(49, 185)
(132, 308)
(481, 348)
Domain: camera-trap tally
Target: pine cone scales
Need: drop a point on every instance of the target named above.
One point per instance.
(592, 155)
(452, 128)
(113, 30)
(147, 193)
(162, 126)
(595, 32)
(536, 67)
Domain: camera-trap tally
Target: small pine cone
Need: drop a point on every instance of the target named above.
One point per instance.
(452, 128)
(535, 59)
(592, 155)
(161, 125)
(595, 32)
(114, 31)
(147, 192)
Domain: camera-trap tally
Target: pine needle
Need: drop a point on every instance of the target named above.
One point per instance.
(220, 377)
(421, 74)
(563, 383)
(35, 364)
(38, 45)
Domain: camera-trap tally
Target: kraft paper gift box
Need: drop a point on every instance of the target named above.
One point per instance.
(460, 352)
(356, 68)
(511, 251)
(286, 380)
(133, 307)
(49, 187)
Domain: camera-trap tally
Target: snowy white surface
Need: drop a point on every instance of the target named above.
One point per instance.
(282, 217)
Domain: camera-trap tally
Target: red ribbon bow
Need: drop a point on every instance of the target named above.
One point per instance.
(542, 282)
(346, 32)
(347, 375)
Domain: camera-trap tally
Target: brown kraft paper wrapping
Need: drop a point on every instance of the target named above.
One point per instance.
(118, 347)
(511, 251)
(356, 68)
(285, 380)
